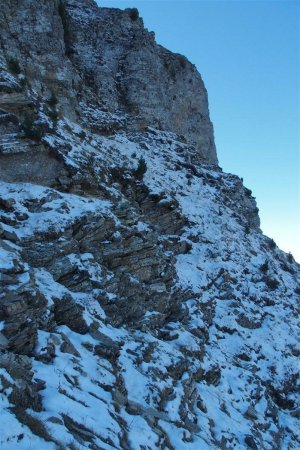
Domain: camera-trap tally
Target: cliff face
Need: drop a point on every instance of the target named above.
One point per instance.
(106, 59)
(140, 305)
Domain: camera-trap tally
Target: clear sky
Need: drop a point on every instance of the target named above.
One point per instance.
(247, 52)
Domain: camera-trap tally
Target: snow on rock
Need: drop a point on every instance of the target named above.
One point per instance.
(165, 318)
(141, 306)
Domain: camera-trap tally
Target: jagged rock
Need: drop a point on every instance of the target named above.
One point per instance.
(107, 348)
(67, 312)
(251, 413)
(249, 322)
(7, 204)
(25, 396)
(22, 313)
(136, 306)
(250, 442)
(10, 235)
(23, 389)
(67, 346)
(213, 375)
(78, 429)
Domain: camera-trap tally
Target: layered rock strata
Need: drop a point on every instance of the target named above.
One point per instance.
(141, 307)
(106, 58)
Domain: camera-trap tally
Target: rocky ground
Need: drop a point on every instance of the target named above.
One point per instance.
(141, 307)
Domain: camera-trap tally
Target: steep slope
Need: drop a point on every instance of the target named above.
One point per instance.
(140, 305)
(106, 58)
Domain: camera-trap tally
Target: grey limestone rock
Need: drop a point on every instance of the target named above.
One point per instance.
(90, 55)
(137, 291)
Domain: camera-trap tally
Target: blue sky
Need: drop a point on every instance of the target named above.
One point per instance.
(247, 52)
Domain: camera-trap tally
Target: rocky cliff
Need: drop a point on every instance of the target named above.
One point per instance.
(106, 60)
(141, 307)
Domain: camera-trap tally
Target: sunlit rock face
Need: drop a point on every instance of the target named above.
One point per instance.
(141, 307)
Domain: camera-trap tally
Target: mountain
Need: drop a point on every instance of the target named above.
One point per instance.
(141, 307)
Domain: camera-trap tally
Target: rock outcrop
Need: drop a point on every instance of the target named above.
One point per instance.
(106, 58)
(141, 307)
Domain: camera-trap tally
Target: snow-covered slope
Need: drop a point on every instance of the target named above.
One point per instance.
(143, 308)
